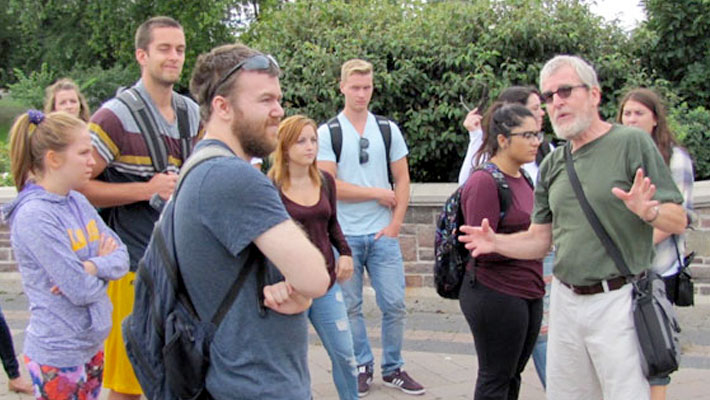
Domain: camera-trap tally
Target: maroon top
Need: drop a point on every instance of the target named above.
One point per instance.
(479, 199)
(320, 222)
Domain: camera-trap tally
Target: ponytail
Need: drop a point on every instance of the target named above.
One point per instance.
(32, 135)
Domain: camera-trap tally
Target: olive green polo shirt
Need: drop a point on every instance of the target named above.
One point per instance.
(607, 162)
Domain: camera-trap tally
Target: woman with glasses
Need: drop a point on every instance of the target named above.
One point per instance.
(643, 109)
(309, 197)
(501, 297)
(529, 97)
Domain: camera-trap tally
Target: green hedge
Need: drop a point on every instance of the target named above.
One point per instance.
(98, 85)
(426, 55)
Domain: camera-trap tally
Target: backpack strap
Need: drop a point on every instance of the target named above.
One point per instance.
(336, 139)
(254, 257)
(505, 197)
(528, 178)
(148, 127)
(386, 131)
(183, 121)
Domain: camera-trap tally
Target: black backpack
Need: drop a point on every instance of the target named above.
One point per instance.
(166, 341)
(451, 256)
(336, 139)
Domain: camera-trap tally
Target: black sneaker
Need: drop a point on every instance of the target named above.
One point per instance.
(364, 379)
(401, 380)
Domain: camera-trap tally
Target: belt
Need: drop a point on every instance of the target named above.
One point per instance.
(603, 286)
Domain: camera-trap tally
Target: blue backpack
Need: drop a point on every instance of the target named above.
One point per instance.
(166, 341)
(450, 255)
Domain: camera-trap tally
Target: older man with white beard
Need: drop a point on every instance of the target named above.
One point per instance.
(592, 348)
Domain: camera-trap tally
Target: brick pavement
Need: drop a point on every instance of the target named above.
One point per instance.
(438, 350)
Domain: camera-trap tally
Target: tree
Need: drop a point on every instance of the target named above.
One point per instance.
(427, 55)
(674, 44)
(70, 35)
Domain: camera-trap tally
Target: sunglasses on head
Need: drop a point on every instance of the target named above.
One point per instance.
(563, 91)
(257, 62)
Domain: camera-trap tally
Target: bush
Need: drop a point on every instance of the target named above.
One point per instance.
(692, 128)
(98, 85)
(428, 54)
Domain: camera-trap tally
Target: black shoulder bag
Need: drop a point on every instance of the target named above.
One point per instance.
(654, 317)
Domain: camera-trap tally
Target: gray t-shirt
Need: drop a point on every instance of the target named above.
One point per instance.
(223, 205)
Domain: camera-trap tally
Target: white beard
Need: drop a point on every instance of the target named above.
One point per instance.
(574, 129)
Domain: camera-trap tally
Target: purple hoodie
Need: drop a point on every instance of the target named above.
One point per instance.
(51, 236)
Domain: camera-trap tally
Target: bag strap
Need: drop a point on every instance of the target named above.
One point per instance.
(505, 196)
(148, 127)
(601, 233)
(183, 121)
(336, 137)
(386, 131)
(254, 257)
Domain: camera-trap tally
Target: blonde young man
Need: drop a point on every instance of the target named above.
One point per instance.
(125, 178)
(592, 347)
(370, 213)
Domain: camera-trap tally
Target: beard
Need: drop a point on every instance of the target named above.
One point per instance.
(253, 137)
(575, 128)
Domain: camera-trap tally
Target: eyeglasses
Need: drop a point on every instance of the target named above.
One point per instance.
(563, 91)
(364, 157)
(530, 135)
(257, 62)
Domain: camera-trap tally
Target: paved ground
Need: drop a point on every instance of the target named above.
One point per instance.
(438, 350)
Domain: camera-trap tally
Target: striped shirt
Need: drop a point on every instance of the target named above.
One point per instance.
(116, 137)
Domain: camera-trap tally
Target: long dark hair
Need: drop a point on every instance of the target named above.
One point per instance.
(517, 94)
(661, 134)
(500, 119)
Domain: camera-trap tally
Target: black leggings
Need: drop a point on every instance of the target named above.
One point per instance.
(7, 351)
(504, 328)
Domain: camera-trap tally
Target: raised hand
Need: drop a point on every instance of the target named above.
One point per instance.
(472, 121)
(639, 199)
(478, 239)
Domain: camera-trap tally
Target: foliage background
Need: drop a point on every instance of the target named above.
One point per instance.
(426, 54)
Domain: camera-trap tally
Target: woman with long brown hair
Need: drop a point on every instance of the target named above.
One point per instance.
(309, 197)
(501, 297)
(644, 109)
(64, 95)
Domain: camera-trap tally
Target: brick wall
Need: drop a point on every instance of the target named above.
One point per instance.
(417, 234)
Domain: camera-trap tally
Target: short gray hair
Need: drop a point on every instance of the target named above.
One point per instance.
(584, 71)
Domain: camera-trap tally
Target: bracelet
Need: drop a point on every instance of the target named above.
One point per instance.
(655, 217)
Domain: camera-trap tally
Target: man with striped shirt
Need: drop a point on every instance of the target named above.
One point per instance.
(126, 178)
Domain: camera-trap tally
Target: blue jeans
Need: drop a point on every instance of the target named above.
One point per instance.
(383, 260)
(539, 354)
(330, 319)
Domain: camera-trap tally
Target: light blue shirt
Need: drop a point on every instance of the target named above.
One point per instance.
(366, 217)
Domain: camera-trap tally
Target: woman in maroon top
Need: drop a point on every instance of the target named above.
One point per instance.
(501, 297)
(309, 197)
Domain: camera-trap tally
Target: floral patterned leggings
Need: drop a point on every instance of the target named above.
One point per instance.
(82, 382)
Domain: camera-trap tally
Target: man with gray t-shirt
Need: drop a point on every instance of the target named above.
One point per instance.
(224, 205)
